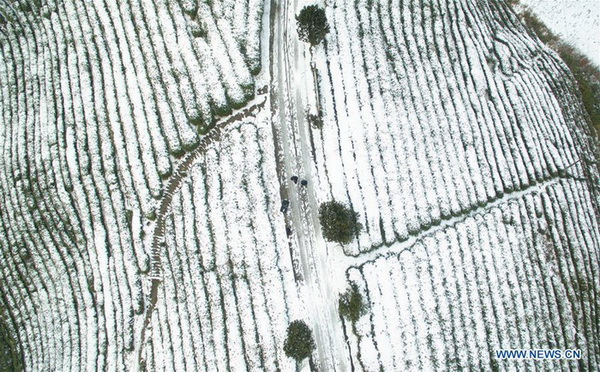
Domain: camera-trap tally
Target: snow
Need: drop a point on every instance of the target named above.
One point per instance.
(445, 127)
(461, 283)
(575, 21)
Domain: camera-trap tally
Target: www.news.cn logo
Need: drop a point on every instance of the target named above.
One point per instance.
(569, 354)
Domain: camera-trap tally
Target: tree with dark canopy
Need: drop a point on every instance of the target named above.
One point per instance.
(299, 343)
(312, 24)
(351, 304)
(339, 223)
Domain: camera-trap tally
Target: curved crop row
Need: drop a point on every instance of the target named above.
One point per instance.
(437, 108)
(96, 101)
(228, 291)
(523, 275)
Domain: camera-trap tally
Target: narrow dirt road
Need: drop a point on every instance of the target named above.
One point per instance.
(290, 65)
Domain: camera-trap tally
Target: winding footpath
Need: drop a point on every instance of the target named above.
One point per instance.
(175, 182)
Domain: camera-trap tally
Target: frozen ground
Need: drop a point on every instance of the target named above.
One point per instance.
(145, 158)
(575, 21)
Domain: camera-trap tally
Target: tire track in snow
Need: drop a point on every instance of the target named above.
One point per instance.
(289, 65)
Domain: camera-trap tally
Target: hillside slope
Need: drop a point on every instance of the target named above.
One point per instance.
(146, 147)
(462, 142)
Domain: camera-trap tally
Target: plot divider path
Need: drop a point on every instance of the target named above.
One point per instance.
(181, 173)
(400, 246)
(175, 182)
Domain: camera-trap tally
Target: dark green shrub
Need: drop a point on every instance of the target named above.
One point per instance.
(351, 304)
(312, 24)
(339, 222)
(299, 343)
(315, 120)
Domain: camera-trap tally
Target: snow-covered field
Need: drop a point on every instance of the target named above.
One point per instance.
(575, 21)
(96, 99)
(147, 145)
(228, 289)
(517, 276)
(432, 111)
(450, 114)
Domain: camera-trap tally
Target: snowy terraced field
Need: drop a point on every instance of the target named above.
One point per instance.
(437, 108)
(147, 146)
(523, 275)
(228, 291)
(96, 98)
